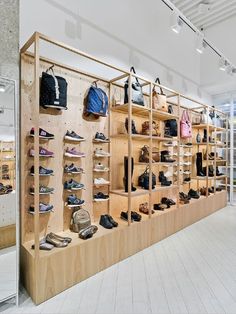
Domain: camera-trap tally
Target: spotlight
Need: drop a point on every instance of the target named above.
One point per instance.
(176, 23)
(200, 44)
(223, 64)
(2, 88)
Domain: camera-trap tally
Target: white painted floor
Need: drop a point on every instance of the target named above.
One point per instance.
(7, 272)
(193, 271)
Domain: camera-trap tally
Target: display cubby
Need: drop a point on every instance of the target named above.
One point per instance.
(46, 273)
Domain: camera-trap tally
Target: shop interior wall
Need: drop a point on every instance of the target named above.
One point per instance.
(121, 32)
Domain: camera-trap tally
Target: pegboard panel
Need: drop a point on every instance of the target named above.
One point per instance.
(58, 122)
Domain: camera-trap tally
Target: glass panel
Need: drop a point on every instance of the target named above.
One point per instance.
(7, 190)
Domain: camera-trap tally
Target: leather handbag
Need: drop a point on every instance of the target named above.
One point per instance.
(159, 99)
(171, 128)
(80, 220)
(205, 118)
(97, 102)
(143, 179)
(146, 128)
(137, 92)
(53, 90)
(185, 125)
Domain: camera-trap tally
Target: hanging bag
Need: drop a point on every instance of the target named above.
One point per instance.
(137, 92)
(97, 102)
(205, 118)
(159, 99)
(185, 125)
(53, 90)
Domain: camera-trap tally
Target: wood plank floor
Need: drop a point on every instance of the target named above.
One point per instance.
(192, 271)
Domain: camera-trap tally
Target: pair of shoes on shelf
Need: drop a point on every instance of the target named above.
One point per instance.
(99, 152)
(193, 194)
(88, 232)
(43, 208)
(43, 152)
(145, 154)
(42, 190)
(165, 203)
(107, 222)
(53, 240)
(74, 201)
(72, 169)
(100, 197)
(143, 208)
(42, 171)
(184, 198)
(134, 216)
(163, 180)
(73, 185)
(72, 152)
(165, 156)
(101, 138)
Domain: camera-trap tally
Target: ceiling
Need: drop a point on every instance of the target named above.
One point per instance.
(206, 13)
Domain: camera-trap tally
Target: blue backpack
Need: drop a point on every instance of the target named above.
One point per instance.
(97, 102)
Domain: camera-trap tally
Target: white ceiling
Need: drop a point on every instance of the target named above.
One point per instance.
(206, 13)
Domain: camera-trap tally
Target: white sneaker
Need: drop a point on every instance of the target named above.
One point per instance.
(100, 168)
(187, 163)
(101, 181)
(99, 152)
(187, 154)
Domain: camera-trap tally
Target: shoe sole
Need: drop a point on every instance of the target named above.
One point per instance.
(98, 184)
(77, 205)
(48, 193)
(101, 200)
(74, 189)
(55, 107)
(123, 218)
(98, 155)
(74, 172)
(74, 139)
(100, 141)
(75, 156)
(98, 170)
(42, 175)
(41, 212)
(40, 155)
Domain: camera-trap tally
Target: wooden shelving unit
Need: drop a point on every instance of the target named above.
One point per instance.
(107, 247)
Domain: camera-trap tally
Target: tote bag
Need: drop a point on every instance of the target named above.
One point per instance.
(159, 99)
(185, 125)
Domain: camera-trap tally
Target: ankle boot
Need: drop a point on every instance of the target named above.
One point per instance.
(133, 128)
(200, 172)
(163, 179)
(218, 173)
(210, 171)
(165, 156)
(125, 179)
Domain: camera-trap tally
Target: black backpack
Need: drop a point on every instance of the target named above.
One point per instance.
(53, 91)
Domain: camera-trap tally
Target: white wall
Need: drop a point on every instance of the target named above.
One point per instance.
(124, 32)
(223, 37)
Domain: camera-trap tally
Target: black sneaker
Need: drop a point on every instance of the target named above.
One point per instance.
(100, 137)
(112, 221)
(100, 197)
(73, 169)
(72, 136)
(193, 194)
(42, 134)
(105, 222)
(135, 216)
(124, 216)
(42, 171)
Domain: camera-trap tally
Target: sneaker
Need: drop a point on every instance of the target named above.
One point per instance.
(187, 154)
(101, 197)
(73, 185)
(187, 163)
(71, 152)
(99, 152)
(101, 181)
(73, 201)
(73, 169)
(100, 137)
(42, 171)
(43, 208)
(42, 134)
(100, 168)
(88, 232)
(171, 144)
(72, 136)
(43, 152)
(42, 190)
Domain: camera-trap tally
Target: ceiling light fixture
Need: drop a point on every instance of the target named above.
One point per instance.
(2, 88)
(176, 23)
(200, 43)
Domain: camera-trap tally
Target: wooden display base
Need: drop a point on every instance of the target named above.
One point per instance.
(8, 236)
(60, 269)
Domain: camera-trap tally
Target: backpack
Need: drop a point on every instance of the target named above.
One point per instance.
(97, 102)
(80, 220)
(53, 91)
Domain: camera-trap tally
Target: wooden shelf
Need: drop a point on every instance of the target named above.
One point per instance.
(141, 137)
(136, 193)
(211, 127)
(161, 115)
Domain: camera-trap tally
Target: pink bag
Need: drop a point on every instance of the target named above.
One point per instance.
(185, 125)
